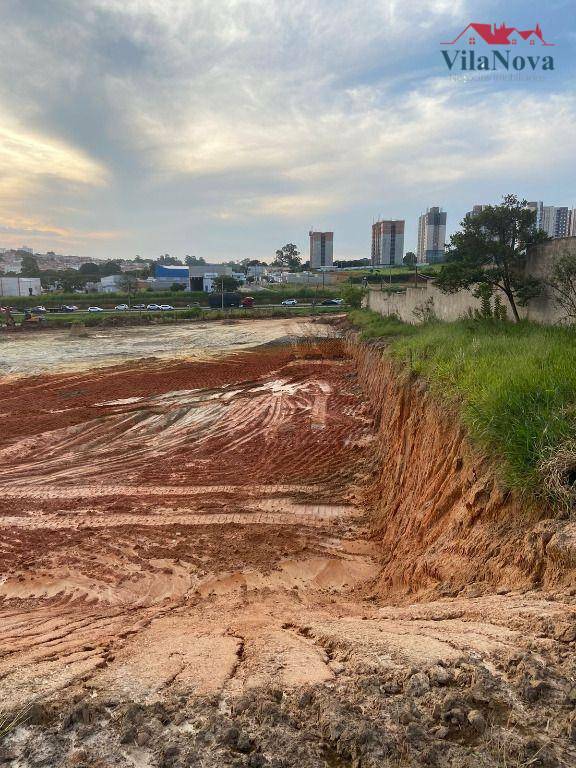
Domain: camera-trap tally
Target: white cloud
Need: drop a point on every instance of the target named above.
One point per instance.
(240, 110)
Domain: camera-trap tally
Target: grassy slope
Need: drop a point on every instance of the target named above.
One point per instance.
(514, 385)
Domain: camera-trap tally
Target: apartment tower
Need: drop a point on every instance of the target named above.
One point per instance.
(321, 249)
(387, 242)
(431, 236)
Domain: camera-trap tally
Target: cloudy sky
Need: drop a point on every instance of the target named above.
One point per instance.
(226, 128)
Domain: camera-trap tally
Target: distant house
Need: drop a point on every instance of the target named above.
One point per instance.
(110, 284)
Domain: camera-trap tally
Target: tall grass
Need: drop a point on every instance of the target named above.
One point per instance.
(514, 386)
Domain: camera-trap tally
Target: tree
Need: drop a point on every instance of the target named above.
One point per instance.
(288, 256)
(562, 280)
(409, 259)
(226, 282)
(491, 249)
(353, 295)
(194, 261)
(29, 266)
(110, 268)
(66, 280)
(177, 287)
(343, 264)
(90, 268)
(128, 282)
(169, 261)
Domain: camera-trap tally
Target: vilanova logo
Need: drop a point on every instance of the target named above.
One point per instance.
(468, 59)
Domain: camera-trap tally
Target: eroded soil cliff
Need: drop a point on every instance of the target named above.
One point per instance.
(443, 520)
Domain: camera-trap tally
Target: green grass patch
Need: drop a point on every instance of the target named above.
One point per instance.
(514, 386)
(112, 319)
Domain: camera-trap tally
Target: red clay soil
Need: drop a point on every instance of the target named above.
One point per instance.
(188, 578)
(442, 519)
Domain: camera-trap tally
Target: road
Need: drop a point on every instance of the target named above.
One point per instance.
(180, 309)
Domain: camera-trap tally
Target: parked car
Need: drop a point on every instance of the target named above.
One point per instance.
(95, 309)
(332, 302)
(289, 302)
(248, 301)
(70, 308)
(153, 307)
(38, 310)
(166, 307)
(139, 306)
(122, 308)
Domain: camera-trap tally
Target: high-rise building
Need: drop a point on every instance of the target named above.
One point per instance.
(476, 210)
(321, 249)
(538, 208)
(555, 221)
(431, 236)
(572, 223)
(388, 242)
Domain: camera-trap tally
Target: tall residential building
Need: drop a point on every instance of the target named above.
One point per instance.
(538, 208)
(387, 242)
(476, 210)
(555, 221)
(431, 236)
(321, 249)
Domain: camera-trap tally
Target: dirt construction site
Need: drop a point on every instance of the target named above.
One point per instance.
(246, 544)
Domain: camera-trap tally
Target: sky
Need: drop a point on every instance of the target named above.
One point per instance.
(227, 128)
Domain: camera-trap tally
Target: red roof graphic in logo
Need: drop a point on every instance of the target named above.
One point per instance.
(501, 35)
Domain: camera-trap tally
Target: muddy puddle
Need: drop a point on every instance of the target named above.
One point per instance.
(55, 351)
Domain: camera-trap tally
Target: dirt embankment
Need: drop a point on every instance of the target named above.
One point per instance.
(445, 524)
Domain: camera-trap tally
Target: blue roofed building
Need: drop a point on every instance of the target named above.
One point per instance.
(166, 275)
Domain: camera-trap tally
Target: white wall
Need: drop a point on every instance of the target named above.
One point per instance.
(20, 286)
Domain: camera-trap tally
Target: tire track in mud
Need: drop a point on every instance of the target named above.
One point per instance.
(75, 521)
(138, 501)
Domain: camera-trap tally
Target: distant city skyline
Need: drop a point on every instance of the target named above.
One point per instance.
(430, 229)
(144, 127)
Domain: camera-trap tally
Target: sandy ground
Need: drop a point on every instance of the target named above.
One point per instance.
(186, 580)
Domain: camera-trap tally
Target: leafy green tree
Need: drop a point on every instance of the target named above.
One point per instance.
(29, 267)
(490, 249)
(409, 258)
(484, 293)
(66, 280)
(128, 282)
(90, 268)
(288, 256)
(353, 295)
(562, 280)
(169, 261)
(110, 268)
(230, 283)
(194, 261)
